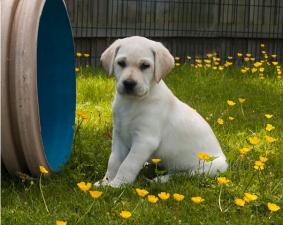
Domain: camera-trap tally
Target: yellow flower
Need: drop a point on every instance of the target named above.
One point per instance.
(152, 198)
(248, 197)
(177, 64)
(177, 58)
(275, 63)
(268, 116)
(223, 180)
(61, 222)
(239, 202)
(203, 156)
(241, 100)
(254, 70)
(125, 214)
(198, 61)
(207, 61)
(273, 207)
(164, 195)
(269, 127)
(273, 55)
(270, 139)
(262, 45)
(84, 186)
(231, 103)
(239, 54)
(252, 59)
(141, 192)
(178, 197)
(259, 165)
(254, 140)
(263, 159)
(220, 68)
(244, 150)
(86, 55)
(77, 69)
(81, 115)
(248, 55)
(197, 200)
(156, 161)
(246, 59)
(243, 70)
(43, 170)
(261, 69)
(79, 54)
(209, 55)
(95, 194)
(231, 118)
(189, 57)
(229, 57)
(220, 121)
(257, 64)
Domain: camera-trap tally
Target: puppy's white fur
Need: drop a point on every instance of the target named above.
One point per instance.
(150, 121)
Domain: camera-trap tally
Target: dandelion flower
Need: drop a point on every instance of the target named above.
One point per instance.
(83, 186)
(275, 63)
(220, 68)
(259, 165)
(239, 202)
(178, 197)
(189, 57)
(125, 214)
(270, 139)
(230, 57)
(141, 192)
(269, 127)
(239, 54)
(43, 170)
(268, 116)
(81, 115)
(243, 70)
(209, 55)
(77, 69)
(61, 222)
(273, 207)
(254, 70)
(244, 151)
(231, 103)
(156, 161)
(152, 198)
(263, 159)
(79, 54)
(203, 156)
(241, 100)
(220, 121)
(257, 64)
(177, 58)
(273, 55)
(197, 200)
(95, 194)
(248, 197)
(262, 45)
(254, 140)
(261, 69)
(163, 195)
(248, 55)
(177, 64)
(223, 181)
(86, 55)
(231, 118)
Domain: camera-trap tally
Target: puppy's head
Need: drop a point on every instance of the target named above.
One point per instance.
(137, 63)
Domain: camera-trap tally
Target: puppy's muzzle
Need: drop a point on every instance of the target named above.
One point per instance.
(129, 85)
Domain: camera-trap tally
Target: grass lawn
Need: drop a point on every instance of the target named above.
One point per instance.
(207, 91)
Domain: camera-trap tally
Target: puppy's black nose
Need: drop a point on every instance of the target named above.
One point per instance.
(129, 84)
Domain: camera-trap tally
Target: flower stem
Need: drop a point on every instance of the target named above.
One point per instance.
(219, 199)
(86, 212)
(40, 188)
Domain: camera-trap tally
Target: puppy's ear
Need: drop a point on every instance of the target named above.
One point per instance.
(164, 61)
(108, 56)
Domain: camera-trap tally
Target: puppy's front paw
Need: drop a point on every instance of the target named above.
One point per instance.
(101, 183)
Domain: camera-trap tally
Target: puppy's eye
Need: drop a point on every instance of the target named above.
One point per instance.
(122, 64)
(144, 66)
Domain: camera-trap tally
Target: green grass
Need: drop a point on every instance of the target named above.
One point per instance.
(205, 90)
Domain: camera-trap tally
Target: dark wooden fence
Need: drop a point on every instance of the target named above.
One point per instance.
(186, 27)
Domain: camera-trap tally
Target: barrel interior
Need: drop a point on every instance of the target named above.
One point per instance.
(56, 83)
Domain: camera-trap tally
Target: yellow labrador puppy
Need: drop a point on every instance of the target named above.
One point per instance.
(148, 120)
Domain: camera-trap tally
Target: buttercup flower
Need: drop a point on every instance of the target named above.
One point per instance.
(43, 170)
(79, 54)
(254, 70)
(261, 69)
(262, 45)
(259, 165)
(231, 118)
(223, 180)
(273, 207)
(197, 200)
(141, 192)
(189, 57)
(77, 69)
(241, 100)
(269, 127)
(95, 194)
(152, 198)
(178, 197)
(86, 55)
(220, 121)
(239, 54)
(263, 159)
(239, 202)
(268, 116)
(156, 161)
(125, 214)
(82, 115)
(248, 197)
(61, 222)
(177, 64)
(244, 151)
(254, 140)
(177, 58)
(164, 195)
(275, 63)
(257, 64)
(83, 186)
(270, 139)
(203, 156)
(231, 103)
